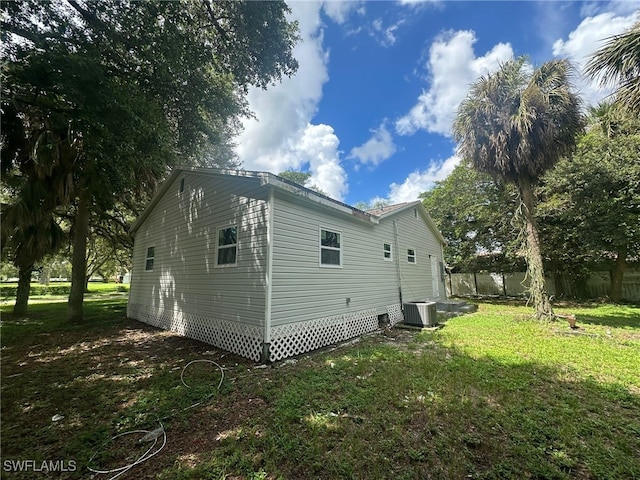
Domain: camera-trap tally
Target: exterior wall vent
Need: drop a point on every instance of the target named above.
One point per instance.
(420, 314)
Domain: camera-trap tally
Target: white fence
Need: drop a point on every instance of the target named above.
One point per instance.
(515, 284)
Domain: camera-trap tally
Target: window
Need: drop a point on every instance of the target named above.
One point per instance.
(182, 185)
(330, 248)
(387, 252)
(227, 246)
(148, 265)
(411, 255)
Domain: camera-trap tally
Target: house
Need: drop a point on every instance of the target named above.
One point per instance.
(267, 269)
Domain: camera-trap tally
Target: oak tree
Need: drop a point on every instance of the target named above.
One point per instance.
(104, 97)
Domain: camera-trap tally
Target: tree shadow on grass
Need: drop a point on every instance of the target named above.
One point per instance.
(368, 410)
(527, 420)
(102, 377)
(376, 411)
(630, 318)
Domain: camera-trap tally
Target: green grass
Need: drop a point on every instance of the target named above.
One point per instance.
(8, 289)
(490, 395)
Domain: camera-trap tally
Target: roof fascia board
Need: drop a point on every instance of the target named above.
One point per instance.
(155, 199)
(265, 179)
(310, 195)
(398, 210)
(177, 171)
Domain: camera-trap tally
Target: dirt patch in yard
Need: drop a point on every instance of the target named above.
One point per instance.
(484, 397)
(102, 382)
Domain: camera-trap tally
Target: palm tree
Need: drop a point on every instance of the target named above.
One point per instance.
(32, 171)
(31, 235)
(515, 124)
(618, 63)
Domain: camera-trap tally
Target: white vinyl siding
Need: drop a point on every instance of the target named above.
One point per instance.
(183, 227)
(415, 234)
(301, 290)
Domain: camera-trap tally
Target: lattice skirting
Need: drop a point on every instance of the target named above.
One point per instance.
(301, 337)
(395, 313)
(244, 340)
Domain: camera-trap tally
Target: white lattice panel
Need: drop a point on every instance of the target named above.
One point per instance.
(395, 313)
(297, 338)
(239, 338)
(246, 340)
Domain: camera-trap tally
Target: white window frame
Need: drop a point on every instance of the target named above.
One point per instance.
(181, 186)
(413, 255)
(151, 257)
(389, 251)
(324, 247)
(225, 247)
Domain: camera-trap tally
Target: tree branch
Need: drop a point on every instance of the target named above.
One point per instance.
(39, 39)
(214, 21)
(89, 17)
(112, 218)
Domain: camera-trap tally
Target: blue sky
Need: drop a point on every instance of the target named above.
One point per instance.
(369, 112)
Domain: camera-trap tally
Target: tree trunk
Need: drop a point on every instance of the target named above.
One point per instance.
(79, 260)
(23, 290)
(93, 269)
(618, 274)
(45, 276)
(535, 270)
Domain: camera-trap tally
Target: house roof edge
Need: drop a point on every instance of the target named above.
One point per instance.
(423, 211)
(266, 179)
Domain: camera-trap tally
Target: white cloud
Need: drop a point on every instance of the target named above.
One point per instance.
(588, 37)
(319, 147)
(377, 149)
(281, 135)
(453, 67)
(421, 181)
(619, 7)
(385, 35)
(417, 2)
(339, 10)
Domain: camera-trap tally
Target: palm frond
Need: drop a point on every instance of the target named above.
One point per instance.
(618, 63)
(519, 121)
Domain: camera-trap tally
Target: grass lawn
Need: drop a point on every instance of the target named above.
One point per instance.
(39, 291)
(490, 395)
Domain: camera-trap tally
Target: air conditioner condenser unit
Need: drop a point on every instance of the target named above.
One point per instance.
(420, 314)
